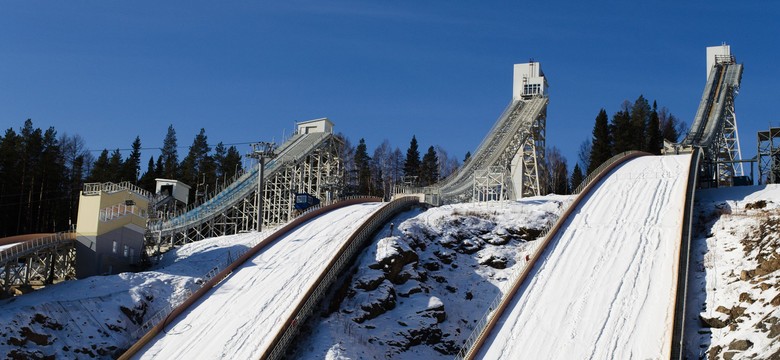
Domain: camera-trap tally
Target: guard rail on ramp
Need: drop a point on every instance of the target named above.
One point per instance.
(680, 308)
(338, 263)
(605, 286)
(240, 317)
(27, 244)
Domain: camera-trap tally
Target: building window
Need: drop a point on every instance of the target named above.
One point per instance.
(132, 254)
(126, 251)
(114, 247)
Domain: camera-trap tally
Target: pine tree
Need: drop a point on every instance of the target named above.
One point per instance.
(467, 157)
(115, 166)
(32, 147)
(671, 126)
(654, 138)
(412, 163)
(640, 117)
(147, 181)
(132, 164)
(576, 177)
(10, 168)
(362, 164)
(191, 170)
(429, 168)
(219, 158)
(51, 214)
(601, 149)
(170, 156)
(231, 164)
(100, 169)
(621, 131)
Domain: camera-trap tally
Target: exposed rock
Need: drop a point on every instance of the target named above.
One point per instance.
(525, 233)
(136, 314)
(760, 204)
(38, 339)
(745, 275)
(741, 345)
(370, 281)
(392, 255)
(432, 265)
(745, 297)
(718, 321)
(713, 353)
(382, 300)
(470, 246)
(446, 257)
(496, 262)
(767, 266)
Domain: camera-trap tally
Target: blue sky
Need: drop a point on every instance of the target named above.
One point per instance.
(246, 71)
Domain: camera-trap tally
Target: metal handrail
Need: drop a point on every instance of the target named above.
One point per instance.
(29, 246)
(120, 210)
(469, 348)
(681, 292)
(109, 187)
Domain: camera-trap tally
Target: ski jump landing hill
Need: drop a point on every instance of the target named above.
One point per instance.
(610, 278)
(254, 308)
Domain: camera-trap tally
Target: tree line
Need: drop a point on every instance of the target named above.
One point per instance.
(635, 126)
(41, 174)
(387, 167)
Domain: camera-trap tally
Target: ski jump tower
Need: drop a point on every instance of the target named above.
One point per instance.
(509, 163)
(714, 128)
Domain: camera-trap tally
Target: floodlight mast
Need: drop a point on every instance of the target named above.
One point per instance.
(261, 151)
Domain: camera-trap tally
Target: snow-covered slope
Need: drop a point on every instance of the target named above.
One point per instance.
(239, 318)
(437, 297)
(417, 293)
(734, 296)
(101, 315)
(604, 288)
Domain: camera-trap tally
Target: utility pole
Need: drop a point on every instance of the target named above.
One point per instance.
(261, 151)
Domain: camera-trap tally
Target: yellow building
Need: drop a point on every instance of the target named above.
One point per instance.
(110, 228)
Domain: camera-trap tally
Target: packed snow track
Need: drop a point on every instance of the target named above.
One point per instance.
(239, 317)
(605, 286)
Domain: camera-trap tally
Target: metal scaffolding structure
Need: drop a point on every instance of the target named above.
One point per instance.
(307, 163)
(490, 184)
(533, 179)
(318, 173)
(769, 156)
(38, 262)
(519, 132)
(715, 127)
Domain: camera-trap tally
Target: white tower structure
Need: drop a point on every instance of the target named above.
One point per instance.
(527, 166)
(729, 142)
